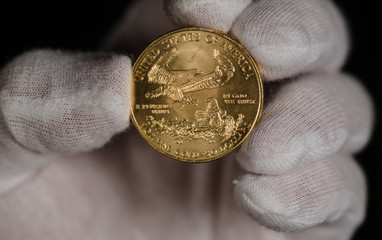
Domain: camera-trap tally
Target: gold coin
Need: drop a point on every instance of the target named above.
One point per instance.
(197, 94)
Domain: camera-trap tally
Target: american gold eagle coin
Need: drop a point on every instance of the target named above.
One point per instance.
(196, 94)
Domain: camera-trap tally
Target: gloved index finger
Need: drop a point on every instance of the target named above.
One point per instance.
(286, 37)
(290, 37)
(214, 14)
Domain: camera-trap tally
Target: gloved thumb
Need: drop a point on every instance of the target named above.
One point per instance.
(58, 102)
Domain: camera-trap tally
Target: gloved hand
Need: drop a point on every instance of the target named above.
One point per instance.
(299, 175)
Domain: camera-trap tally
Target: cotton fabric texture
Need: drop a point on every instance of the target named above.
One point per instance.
(72, 167)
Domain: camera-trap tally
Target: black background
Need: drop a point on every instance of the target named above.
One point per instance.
(81, 26)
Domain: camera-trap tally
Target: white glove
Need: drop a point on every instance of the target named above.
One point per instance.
(300, 170)
(300, 175)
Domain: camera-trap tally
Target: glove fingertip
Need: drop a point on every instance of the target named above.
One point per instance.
(319, 193)
(205, 13)
(55, 101)
(264, 207)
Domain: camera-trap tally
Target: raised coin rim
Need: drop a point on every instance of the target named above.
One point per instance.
(259, 80)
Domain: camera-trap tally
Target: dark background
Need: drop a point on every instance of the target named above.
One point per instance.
(81, 26)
